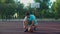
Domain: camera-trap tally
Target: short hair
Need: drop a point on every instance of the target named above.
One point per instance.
(27, 13)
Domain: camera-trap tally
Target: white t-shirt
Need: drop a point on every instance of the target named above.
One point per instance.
(25, 18)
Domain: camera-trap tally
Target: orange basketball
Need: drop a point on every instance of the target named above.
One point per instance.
(30, 29)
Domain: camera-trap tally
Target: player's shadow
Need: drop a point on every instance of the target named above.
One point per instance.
(39, 32)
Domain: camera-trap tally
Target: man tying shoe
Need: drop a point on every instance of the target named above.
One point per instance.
(30, 22)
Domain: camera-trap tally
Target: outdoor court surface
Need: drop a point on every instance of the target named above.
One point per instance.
(16, 27)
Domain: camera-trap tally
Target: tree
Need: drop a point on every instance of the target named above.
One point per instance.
(56, 9)
(44, 6)
(8, 8)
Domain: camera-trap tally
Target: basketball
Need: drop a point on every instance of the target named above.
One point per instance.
(30, 29)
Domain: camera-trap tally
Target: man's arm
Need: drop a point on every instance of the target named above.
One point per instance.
(32, 18)
(24, 21)
(32, 23)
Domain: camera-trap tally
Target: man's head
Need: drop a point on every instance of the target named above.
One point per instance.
(27, 14)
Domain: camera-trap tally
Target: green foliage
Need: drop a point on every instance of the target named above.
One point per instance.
(56, 9)
(8, 8)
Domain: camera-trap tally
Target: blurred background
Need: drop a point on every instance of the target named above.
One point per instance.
(42, 9)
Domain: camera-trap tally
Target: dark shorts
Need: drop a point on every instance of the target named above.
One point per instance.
(30, 22)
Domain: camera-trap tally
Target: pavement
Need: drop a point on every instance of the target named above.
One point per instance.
(16, 27)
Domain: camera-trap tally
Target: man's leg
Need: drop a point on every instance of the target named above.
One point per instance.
(25, 26)
(30, 29)
(35, 26)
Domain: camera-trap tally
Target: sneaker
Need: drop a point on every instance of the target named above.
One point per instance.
(26, 30)
(35, 29)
